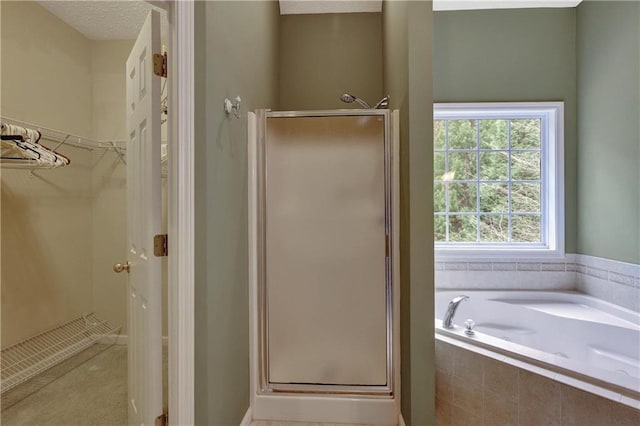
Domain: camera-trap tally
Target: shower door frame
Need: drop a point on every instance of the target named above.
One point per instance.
(330, 402)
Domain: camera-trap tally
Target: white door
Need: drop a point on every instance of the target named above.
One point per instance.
(144, 221)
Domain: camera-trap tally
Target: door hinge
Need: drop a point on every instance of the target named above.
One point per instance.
(160, 64)
(386, 246)
(162, 420)
(160, 245)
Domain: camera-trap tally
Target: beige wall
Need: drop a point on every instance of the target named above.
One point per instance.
(69, 222)
(109, 184)
(323, 56)
(236, 54)
(38, 49)
(46, 216)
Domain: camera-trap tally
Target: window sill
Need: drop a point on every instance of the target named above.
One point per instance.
(496, 254)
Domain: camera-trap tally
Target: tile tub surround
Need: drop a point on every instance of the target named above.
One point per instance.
(608, 280)
(474, 389)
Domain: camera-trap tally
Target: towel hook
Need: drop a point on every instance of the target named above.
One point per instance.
(234, 106)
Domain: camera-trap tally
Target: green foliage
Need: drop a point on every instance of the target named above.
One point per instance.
(526, 229)
(525, 165)
(462, 197)
(494, 134)
(462, 134)
(462, 228)
(496, 210)
(494, 229)
(494, 165)
(525, 134)
(494, 197)
(439, 132)
(464, 165)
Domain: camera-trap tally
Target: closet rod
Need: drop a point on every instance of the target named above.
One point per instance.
(63, 138)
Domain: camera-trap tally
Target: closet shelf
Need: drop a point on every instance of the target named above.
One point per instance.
(25, 360)
(63, 138)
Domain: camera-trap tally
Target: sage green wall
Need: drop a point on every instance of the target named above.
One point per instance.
(407, 41)
(323, 56)
(236, 54)
(513, 55)
(608, 132)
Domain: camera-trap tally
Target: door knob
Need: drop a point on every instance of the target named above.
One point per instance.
(119, 267)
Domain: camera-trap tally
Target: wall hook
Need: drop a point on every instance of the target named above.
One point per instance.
(232, 107)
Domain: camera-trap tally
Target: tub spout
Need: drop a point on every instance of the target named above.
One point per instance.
(447, 322)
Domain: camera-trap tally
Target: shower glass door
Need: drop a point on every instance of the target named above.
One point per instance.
(326, 270)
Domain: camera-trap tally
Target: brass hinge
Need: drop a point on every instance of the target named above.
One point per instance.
(386, 246)
(160, 245)
(162, 420)
(160, 64)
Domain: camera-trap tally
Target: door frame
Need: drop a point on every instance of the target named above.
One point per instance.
(181, 210)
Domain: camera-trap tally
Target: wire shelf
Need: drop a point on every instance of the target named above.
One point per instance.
(24, 360)
(63, 138)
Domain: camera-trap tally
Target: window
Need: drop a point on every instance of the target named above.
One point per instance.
(498, 179)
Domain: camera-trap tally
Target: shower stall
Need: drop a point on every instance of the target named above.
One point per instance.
(324, 271)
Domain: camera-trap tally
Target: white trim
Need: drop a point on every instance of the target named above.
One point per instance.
(246, 420)
(181, 214)
(500, 4)
(252, 217)
(552, 196)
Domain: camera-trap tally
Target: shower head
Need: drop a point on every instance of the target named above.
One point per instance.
(349, 99)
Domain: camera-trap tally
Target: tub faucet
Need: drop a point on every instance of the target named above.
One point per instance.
(447, 322)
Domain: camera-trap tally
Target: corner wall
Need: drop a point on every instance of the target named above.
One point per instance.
(608, 130)
(46, 215)
(407, 44)
(513, 55)
(236, 54)
(109, 181)
(325, 55)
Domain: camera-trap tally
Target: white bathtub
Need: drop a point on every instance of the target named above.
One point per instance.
(567, 332)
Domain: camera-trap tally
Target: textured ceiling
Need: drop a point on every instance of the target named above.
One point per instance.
(122, 19)
(102, 20)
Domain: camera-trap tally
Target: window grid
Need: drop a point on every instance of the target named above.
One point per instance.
(477, 181)
(446, 187)
(477, 123)
(509, 185)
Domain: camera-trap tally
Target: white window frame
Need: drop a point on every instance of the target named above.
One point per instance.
(552, 179)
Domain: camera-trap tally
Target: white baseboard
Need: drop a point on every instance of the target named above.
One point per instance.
(246, 420)
(123, 339)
